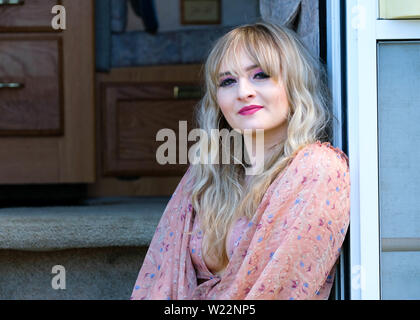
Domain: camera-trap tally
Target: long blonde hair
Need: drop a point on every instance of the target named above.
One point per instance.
(219, 195)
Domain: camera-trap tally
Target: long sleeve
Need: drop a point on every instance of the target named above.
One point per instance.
(166, 272)
(312, 219)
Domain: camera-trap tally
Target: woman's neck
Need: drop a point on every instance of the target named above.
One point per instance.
(260, 146)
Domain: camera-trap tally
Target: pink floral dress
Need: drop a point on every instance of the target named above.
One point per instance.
(288, 250)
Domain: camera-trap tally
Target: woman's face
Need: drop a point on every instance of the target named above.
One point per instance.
(252, 88)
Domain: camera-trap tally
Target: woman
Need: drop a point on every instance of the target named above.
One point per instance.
(228, 233)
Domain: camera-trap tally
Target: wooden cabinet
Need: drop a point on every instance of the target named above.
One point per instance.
(133, 114)
(133, 104)
(28, 16)
(47, 94)
(31, 85)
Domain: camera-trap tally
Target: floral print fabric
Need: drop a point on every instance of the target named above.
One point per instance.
(287, 251)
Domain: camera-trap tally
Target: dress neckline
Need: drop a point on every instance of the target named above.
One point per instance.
(200, 257)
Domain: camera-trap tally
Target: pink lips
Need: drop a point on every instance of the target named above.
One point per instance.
(249, 110)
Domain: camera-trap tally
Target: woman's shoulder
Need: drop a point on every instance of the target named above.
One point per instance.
(321, 155)
(326, 150)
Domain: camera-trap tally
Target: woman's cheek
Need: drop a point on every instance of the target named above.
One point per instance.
(223, 102)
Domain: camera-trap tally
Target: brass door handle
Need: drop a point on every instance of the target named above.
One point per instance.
(11, 85)
(11, 2)
(187, 92)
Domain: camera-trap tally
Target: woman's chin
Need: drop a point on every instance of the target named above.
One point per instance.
(252, 129)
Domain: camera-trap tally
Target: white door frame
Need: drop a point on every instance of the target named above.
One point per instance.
(364, 30)
(363, 148)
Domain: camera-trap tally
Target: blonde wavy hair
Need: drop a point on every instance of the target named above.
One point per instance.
(218, 192)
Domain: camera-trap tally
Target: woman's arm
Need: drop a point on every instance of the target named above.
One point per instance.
(308, 224)
(160, 266)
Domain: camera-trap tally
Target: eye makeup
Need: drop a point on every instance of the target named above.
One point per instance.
(259, 74)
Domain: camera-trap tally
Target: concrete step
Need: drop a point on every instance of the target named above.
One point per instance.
(100, 222)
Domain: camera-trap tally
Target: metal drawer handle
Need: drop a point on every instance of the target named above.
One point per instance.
(11, 85)
(11, 2)
(187, 92)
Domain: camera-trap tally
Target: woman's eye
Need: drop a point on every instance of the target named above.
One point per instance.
(261, 75)
(226, 82)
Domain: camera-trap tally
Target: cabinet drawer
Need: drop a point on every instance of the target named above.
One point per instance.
(30, 86)
(29, 15)
(132, 116)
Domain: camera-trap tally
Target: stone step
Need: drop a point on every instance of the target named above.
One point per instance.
(99, 222)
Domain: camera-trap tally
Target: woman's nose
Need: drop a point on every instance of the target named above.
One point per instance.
(245, 90)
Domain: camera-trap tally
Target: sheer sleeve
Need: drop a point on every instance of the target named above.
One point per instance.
(302, 228)
(166, 254)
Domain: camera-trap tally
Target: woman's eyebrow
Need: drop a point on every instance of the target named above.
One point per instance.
(246, 69)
